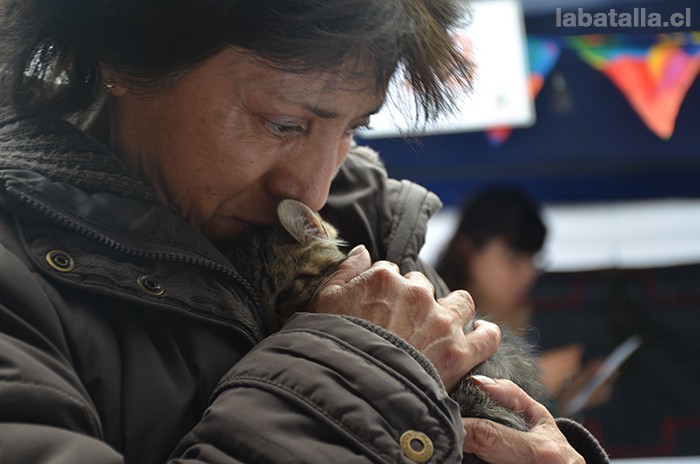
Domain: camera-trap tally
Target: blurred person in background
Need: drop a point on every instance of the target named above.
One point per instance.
(495, 254)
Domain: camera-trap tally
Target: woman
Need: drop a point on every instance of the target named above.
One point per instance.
(493, 253)
(127, 336)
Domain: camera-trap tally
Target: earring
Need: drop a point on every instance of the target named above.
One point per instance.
(108, 86)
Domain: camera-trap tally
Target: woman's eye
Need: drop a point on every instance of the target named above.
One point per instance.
(352, 130)
(283, 129)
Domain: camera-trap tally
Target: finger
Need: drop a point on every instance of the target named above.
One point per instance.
(476, 347)
(420, 279)
(482, 341)
(357, 262)
(591, 368)
(585, 375)
(602, 395)
(493, 442)
(576, 350)
(513, 397)
(417, 276)
(461, 302)
(388, 265)
(497, 443)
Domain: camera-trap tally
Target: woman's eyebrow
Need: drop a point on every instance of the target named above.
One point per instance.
(322, 113)
(331, 114)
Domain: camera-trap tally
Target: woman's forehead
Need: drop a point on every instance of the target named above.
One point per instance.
(352, 77)
(313, 90)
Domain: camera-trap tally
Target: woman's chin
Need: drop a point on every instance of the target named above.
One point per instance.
(220, 231)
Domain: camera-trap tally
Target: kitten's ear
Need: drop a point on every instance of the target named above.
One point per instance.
(302, 222)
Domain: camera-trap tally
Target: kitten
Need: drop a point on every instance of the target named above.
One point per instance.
(288, 265)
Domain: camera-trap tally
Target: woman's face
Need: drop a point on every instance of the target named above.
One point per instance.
(500, 277)
(228, 140)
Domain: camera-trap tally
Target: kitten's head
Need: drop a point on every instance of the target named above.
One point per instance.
(288, 264)
(307, 228)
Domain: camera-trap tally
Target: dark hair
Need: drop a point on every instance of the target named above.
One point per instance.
(503, 212)
(50, 49)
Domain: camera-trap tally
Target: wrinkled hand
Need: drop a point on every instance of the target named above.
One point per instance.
(497, 444)
(406, 306)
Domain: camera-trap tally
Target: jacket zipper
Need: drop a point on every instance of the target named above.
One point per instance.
(92, 234)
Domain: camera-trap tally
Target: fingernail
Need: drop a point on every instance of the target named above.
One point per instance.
(356, 251)
(481, 380)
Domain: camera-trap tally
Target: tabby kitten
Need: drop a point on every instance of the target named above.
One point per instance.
(288, 265)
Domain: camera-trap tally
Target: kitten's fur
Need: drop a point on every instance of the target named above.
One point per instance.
(289, 266)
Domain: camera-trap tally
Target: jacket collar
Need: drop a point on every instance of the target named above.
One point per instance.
(53, 168)
(51, 171)
(63, 153)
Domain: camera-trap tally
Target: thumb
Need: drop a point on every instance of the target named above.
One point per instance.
(357, 262)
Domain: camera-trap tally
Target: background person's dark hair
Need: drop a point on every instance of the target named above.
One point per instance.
(50, 49)
(507, 213)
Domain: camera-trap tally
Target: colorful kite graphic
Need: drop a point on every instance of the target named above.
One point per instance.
(654, 73)
(543, 54)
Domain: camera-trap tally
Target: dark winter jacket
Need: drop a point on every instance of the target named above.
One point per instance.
(125, 336)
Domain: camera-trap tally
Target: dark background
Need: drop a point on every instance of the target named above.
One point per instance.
(588, 144)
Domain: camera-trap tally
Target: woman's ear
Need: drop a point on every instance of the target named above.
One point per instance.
(111, 83)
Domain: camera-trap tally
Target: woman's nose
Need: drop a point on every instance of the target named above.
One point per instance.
(307, 174)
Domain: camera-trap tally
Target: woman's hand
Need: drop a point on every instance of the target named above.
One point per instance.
(497, 444)
(406, 306)
(564, 376)
(559, 365)
(600, 396)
